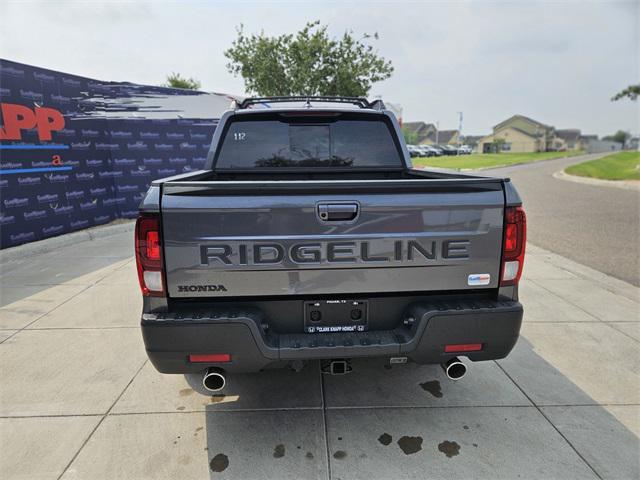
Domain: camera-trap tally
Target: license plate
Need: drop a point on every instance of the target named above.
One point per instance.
(326, 316)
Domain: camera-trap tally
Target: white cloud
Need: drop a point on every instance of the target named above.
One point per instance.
(559, 62)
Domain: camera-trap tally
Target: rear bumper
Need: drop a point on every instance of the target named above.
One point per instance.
(423, 332)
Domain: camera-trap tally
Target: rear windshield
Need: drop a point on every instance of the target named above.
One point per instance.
(308, 142)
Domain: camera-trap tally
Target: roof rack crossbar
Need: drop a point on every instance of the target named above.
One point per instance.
(358, 101)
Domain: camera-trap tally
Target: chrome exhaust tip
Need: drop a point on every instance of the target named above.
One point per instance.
(454, 369)
(214, 380)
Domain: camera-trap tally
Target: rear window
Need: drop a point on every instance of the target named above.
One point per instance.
(308, 142)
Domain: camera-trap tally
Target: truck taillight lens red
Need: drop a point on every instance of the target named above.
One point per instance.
(149, 255)
(515, 239)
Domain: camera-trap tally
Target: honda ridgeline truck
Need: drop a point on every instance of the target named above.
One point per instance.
(309, 236)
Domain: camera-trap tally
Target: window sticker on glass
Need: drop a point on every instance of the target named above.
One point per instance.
(239, 136)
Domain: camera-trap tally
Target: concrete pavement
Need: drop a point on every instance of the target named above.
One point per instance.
(79, 400)
(591, 224)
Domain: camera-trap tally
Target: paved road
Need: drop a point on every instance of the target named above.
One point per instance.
(593, 225)
(79, 400)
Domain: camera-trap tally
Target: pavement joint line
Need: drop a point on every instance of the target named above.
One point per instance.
(315, 409)
(86, 440)
(82, 328)
(59, 305)
(577, 321)
(622, 332)
(585, 311)
(44, 314)
(585, 272)
(427, 407)
(324, 424)
(550, 422)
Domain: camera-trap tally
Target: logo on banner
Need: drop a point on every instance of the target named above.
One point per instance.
(17, 118)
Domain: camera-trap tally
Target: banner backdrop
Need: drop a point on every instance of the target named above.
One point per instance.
(77, 152)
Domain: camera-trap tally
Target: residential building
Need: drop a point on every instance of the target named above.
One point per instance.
(444, 137)
(421, 130)
(428, 134)
(601, 146)
(518, 134)
(471, 140)
(584, 140)
(567, 139)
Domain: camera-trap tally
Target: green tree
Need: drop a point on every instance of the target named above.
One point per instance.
(175, 80)
(496, 145)
(632, 92)
(307, 63)
(620, 136)
(410, 137)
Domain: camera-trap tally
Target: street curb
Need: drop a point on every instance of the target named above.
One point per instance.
(605, 281)
(53, 243)
(624, 184)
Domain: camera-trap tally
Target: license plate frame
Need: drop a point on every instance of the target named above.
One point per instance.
(336, 315)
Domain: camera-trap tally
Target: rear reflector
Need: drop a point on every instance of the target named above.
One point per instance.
(514, 242)
(210, 358)
(463, 347)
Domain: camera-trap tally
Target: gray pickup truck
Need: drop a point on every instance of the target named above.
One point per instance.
(310, 236)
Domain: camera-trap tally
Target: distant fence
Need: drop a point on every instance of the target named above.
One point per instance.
(77, 152)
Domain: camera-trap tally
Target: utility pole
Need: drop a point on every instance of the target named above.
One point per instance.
(437, 129)
(459, 128)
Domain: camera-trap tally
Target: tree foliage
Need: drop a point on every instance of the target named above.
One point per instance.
(175, 80)
(632, 92)
(620, 136)
(307, 63)
(410, 137)
(497, 144)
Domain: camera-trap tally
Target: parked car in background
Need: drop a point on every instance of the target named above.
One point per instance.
(414, 151)
(426, 151)
(464, 150)
(448, 149)
(436, 150)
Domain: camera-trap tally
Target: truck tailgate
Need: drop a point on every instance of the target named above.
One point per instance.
(231, 240)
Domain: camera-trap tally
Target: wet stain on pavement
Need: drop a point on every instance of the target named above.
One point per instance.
(278, 451)
(475, 445)
(180, 408)
(450, 449)
(217, 398)
(184, 459)
(219, 463)
(385, 439)
(410, 445)
(387, 367)
(466, 427)
(340, 455)
(185, 392)
(309, 455)
(339, 438)
(433, 388)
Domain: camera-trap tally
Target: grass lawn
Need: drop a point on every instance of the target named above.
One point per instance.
(478, 161)
(617, 166)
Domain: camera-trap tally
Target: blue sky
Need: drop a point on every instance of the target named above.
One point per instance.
(558, 62)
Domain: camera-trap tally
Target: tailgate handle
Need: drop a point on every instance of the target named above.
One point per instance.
(332, 212)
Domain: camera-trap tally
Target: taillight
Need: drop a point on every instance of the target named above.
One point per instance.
(515, 238)
(149, 255)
